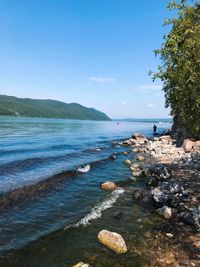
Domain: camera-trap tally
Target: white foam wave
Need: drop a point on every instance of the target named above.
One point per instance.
(96, 212)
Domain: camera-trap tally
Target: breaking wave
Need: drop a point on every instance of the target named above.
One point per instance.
(96, 212)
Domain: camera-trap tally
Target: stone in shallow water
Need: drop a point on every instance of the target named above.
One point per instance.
(109, 185)
(112, 241)
(127, 161)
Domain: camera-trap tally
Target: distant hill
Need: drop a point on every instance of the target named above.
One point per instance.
(25, 107)
(152, 120)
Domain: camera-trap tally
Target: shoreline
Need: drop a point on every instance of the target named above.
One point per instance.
(173, 178)
(155, 240)
(173, 185)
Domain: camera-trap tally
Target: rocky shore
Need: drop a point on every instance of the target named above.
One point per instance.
(172, 176)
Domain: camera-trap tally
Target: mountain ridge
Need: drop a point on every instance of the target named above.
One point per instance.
(47, 108)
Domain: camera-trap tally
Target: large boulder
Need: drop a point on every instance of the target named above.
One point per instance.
(188, 145)
(109, 185)
(112, 241)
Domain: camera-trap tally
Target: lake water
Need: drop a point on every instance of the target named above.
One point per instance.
(40, 190)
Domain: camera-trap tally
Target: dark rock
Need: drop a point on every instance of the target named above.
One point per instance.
(160, 173)
(161, 198)
(191, 217)
(175, 187)
(152, 182)
(172, 186)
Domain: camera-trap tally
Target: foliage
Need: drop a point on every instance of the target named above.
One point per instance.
(180, 68)
(25, 107)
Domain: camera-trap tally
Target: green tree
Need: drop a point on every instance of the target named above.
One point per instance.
(180, 65)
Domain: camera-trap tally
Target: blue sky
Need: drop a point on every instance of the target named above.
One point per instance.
(94, 52)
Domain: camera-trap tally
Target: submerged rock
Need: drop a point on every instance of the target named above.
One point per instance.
(165, 212)
(109, 185)
(112, 241)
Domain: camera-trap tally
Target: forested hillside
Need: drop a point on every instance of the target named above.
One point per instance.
(25, 107)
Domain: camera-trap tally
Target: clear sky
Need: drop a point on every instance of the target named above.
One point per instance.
(94, 52)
